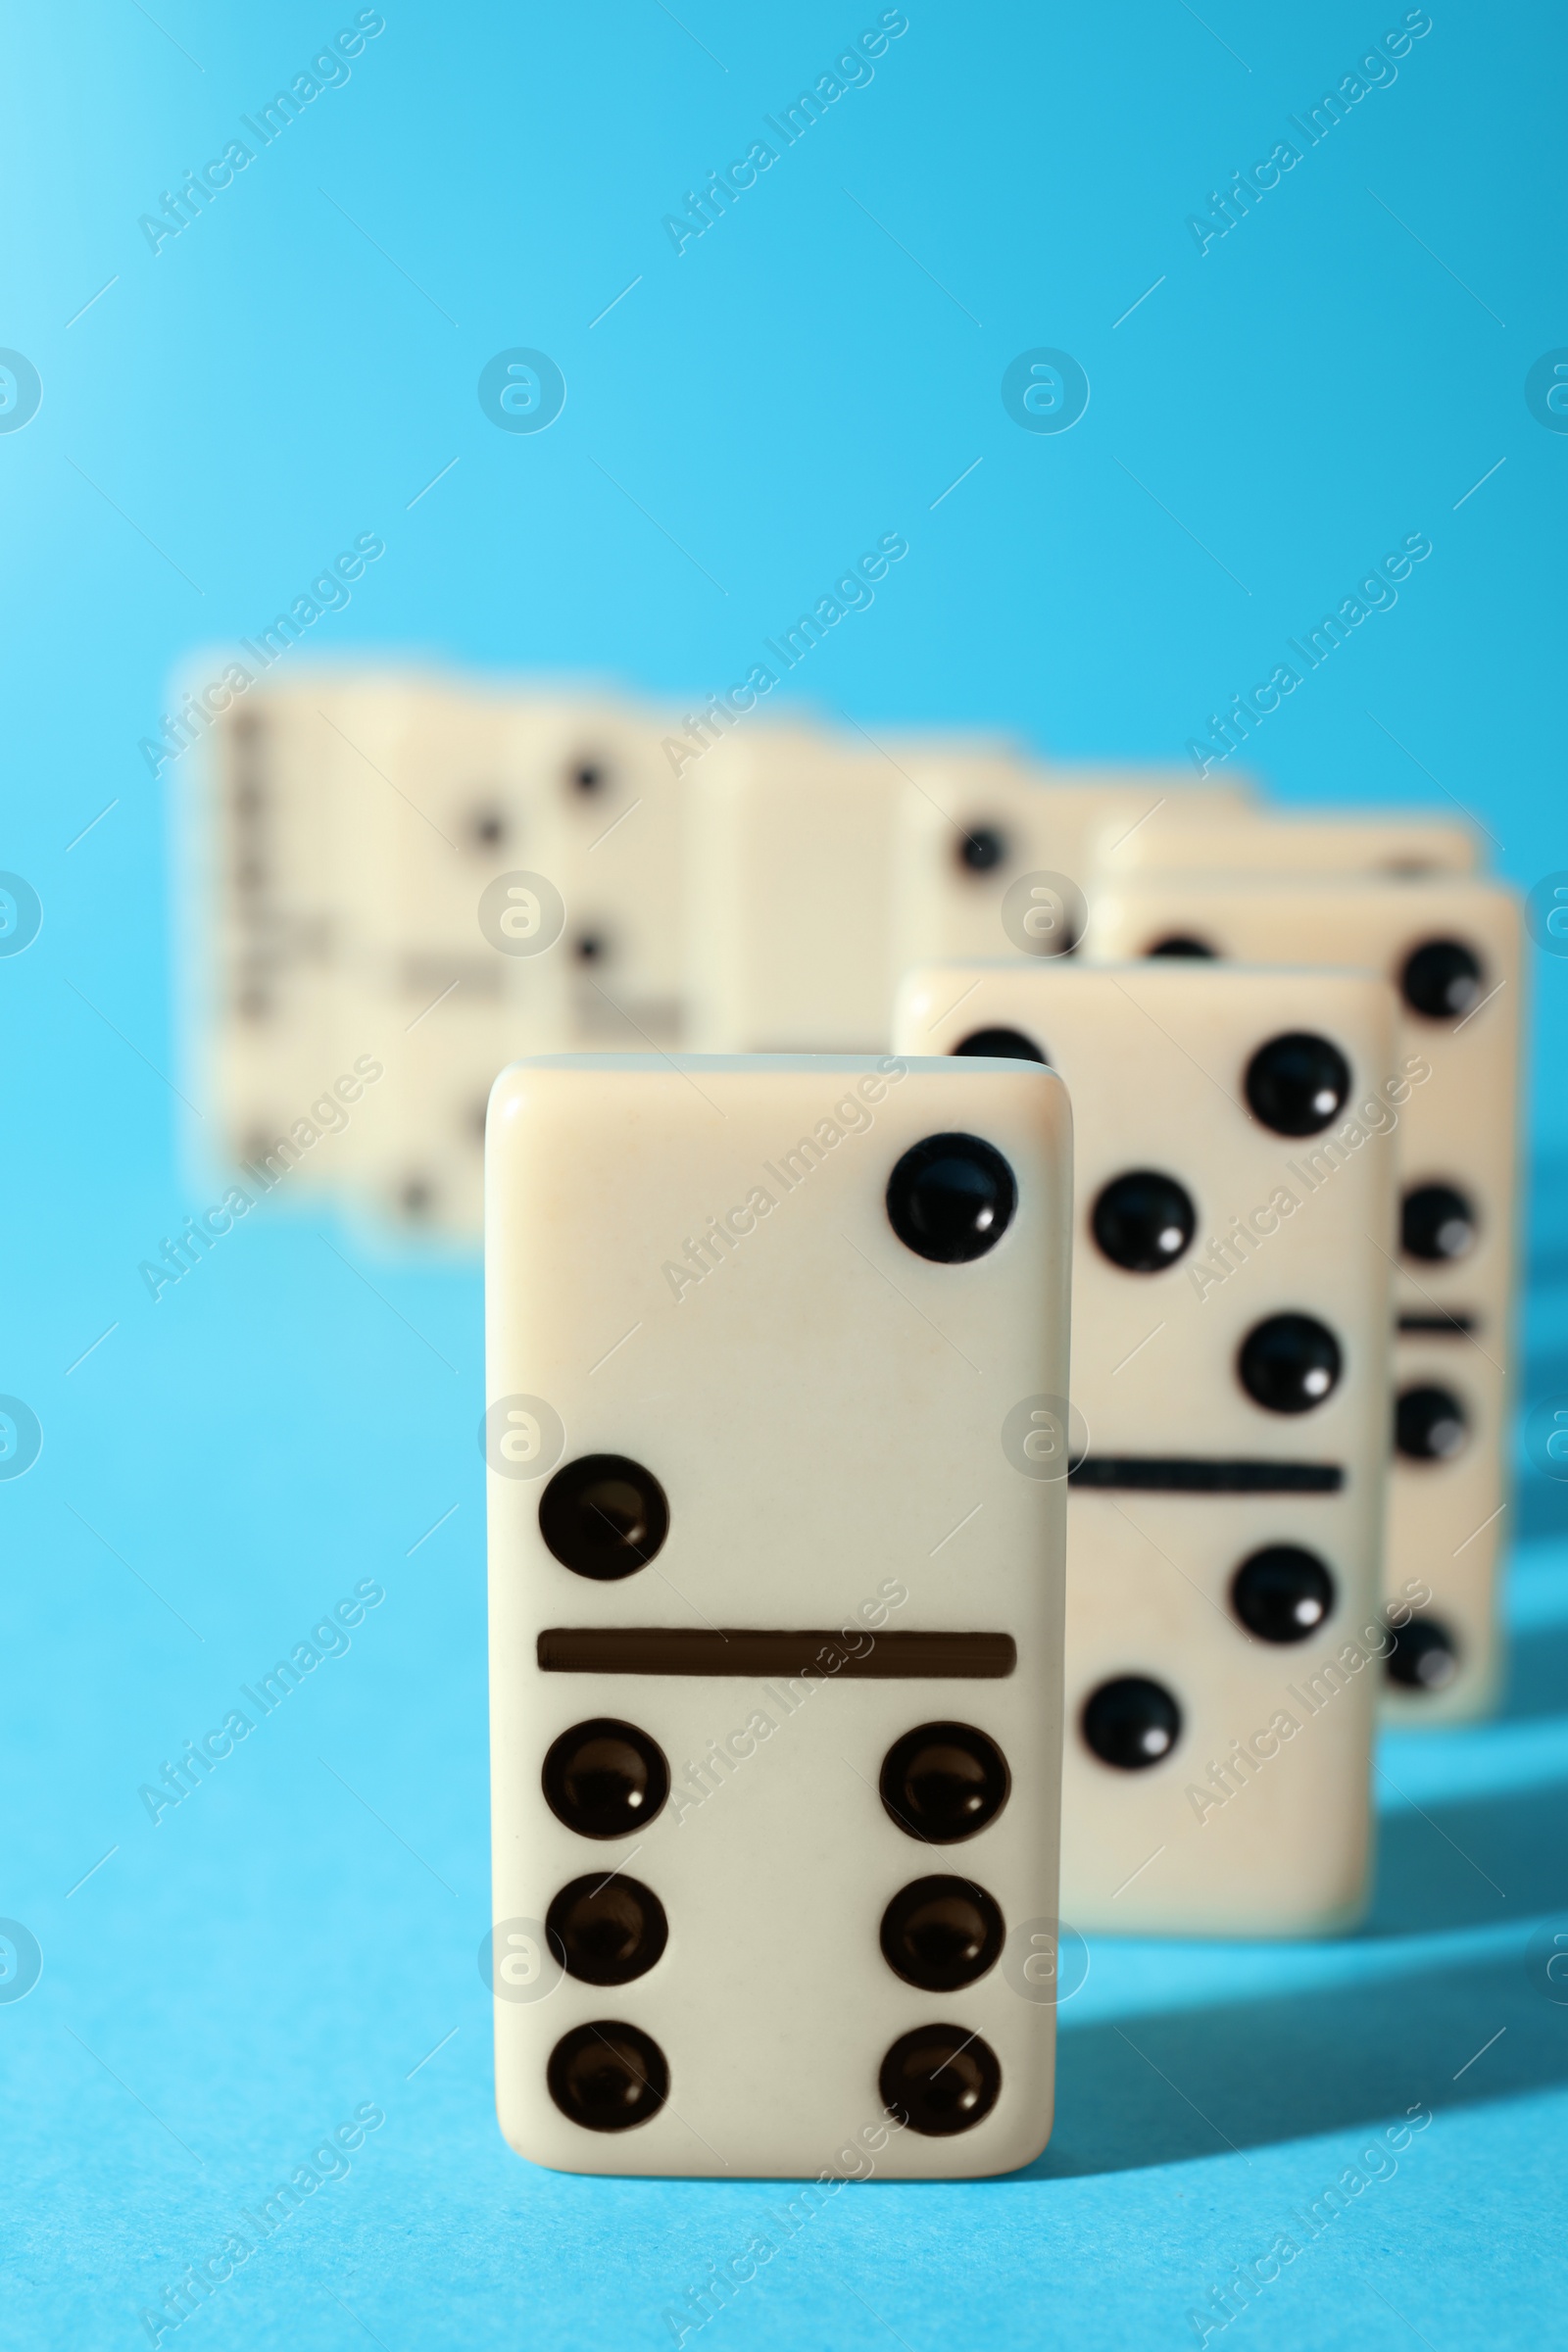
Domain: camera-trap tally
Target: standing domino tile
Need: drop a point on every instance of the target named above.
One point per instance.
(454, 919)
(347, 829)
(1224, 1522)
(789, 894)
(604, 777)
(993, 855)
(1401, 845)
(262, 941)
(819, 871)
(775, 1611)
(1453, 949)
(263, 952)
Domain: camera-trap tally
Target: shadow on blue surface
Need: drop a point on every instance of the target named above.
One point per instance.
(1541, 1504)
(1537, 1666)
(1474, 1862)
(1546, 1230)
(1189, 2084)
(1542, 1509)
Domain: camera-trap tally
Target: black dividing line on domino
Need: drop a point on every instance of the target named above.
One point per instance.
(1456, 1326)
(744, 1651)
(1190, 1473)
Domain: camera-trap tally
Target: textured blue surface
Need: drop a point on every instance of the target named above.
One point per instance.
(297, 1939)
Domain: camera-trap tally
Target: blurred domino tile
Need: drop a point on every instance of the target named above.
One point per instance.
(1450, 946)
(399, 882)
(1225, 1514)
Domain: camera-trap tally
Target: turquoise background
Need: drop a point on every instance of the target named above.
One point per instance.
(217, 419)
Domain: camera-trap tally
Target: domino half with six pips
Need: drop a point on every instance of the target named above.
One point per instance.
(1451, 947)
(775, 1610)
(1224, 1522)
(264, 934)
